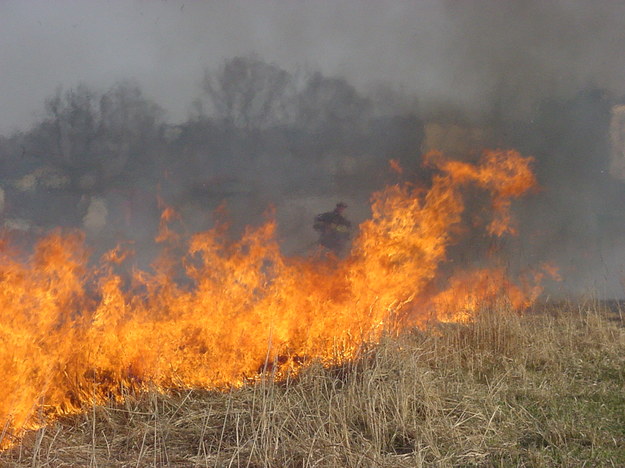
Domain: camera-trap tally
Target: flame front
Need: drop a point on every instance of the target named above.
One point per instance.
(72, 335)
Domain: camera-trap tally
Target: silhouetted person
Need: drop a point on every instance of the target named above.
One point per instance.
(333, 228)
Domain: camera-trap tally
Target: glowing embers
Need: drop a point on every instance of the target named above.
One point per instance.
(74, 335)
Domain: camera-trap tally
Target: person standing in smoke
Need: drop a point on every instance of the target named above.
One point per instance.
(334, 229)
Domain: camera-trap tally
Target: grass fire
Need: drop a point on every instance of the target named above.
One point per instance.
(312, 234)
(76, 334)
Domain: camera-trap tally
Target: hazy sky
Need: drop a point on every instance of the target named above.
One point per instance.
(463, 51)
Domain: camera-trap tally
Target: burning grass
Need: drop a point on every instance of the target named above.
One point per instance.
(211, 311)
(544, 389)
(320, 357)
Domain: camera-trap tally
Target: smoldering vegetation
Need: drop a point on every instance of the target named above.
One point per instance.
(260, 136)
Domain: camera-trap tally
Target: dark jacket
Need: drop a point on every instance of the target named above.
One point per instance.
(334, 230)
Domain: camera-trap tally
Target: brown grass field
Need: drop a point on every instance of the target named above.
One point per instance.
(542, 389)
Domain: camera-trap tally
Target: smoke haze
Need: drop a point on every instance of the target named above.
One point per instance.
(339, 87)
(469, 53)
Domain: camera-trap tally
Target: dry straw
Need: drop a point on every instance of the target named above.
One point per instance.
(545, 389)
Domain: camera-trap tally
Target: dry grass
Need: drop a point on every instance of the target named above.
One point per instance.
(546, 389)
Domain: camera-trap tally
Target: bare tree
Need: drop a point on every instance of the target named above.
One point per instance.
(93, 136)
(72, 118)
(128, 128)
(249, 93)
(330, 104)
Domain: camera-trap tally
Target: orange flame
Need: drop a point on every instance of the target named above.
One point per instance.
(72, 335)
(395, 166)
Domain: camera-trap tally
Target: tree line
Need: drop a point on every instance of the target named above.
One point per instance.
(255, 128)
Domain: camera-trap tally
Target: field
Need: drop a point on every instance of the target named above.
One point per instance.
(542, 389)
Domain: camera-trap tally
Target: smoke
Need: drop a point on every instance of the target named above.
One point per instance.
(517, 53)
(470, 53)
(340, 88)
(544, 77)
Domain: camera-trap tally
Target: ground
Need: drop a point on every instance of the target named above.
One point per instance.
(539, 389)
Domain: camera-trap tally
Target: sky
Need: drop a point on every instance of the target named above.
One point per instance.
(462, 52)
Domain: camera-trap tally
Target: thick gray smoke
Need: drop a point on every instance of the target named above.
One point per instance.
(514, 54)
(466, 53)
(299, 106)
(551, 74)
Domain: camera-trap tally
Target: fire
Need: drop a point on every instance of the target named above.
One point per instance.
(73, 335)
